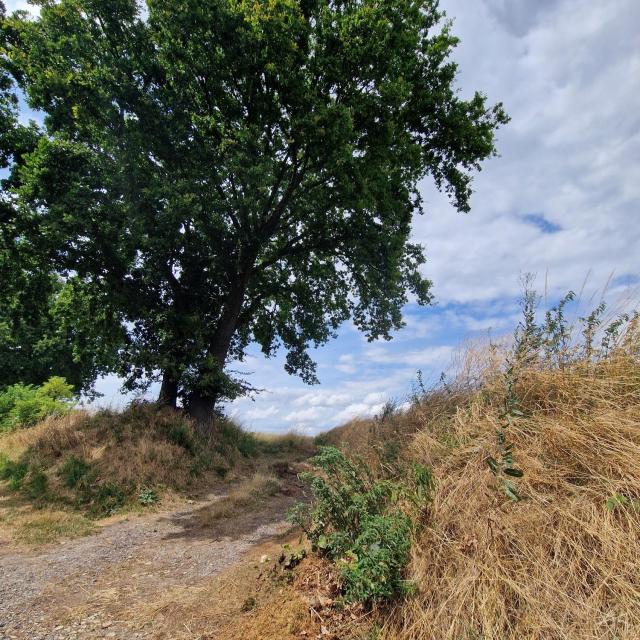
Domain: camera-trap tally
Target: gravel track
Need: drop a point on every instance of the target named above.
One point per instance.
(68, 590)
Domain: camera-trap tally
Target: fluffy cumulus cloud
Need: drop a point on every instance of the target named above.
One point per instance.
(559, 201)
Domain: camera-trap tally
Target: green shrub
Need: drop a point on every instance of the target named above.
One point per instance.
(108, 498)
(180, 435)
(230, 439)
(247, 445)
(373, 566)
(36, 485)
(357, 521)
(75, 473)
(25, 405)
(14, 472)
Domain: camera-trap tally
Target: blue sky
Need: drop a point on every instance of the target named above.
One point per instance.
(561, 201)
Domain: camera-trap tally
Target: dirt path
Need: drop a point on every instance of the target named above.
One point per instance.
(94, 587)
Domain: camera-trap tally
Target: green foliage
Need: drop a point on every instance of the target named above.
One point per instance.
(33, 482)
(503, 468)
(76, 473)
(373, 564)
(148, 496)
(107, 499)
(180, 435)
(620, 501)
(25, 405)
(248, 604)
(36, 486)
(248, 445)
(357, 521)
(14, 472)
(221, 173)
(229, 438)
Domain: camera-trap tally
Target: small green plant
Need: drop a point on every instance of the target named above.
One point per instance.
(247, 445)
(556, 333)
(248, 604)
(13, 472)
(180, 435)
(36, 485)
(375, 633)
(356, 520)
(620, 501)
(503, 468)
(290, 559)
(148, 496)
(613, 331)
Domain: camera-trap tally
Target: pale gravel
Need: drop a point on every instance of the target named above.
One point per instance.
(142, 557)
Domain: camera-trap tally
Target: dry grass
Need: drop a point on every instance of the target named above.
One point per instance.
(134, 447)
(45, 526)
(285, 443)
(563, 563)
(247, 494)
(108, 462)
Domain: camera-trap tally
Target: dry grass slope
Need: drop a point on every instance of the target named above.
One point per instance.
(564, 562)
(57, 476)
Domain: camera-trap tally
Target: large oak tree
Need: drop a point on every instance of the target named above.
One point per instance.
(238, 171)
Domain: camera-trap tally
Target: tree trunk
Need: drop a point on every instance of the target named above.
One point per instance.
(168, 395)
(200, 408)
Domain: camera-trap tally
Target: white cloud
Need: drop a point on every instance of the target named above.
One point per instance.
(21, 5)
(428, 357)
(303, 415)
(261, 413)
(570, 152)
(358, 410)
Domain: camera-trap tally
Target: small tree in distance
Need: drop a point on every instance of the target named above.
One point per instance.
(238, 171)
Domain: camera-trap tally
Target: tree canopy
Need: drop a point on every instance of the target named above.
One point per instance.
(231, 172)
(48, 325)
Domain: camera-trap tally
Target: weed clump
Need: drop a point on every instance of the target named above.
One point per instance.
(363, 523)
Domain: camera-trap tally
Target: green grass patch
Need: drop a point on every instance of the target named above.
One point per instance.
(50, 526)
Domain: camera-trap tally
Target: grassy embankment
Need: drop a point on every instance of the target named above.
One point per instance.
(530, 524)
(64, 473)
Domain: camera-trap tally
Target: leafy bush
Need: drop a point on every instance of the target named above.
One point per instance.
(75, 473)
(108, 498)
(357, 521)
(373, 566)
(25, 405)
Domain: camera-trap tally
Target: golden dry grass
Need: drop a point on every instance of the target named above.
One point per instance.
(141, 446)
(563, 563)
(49, 525)
(251, 493)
